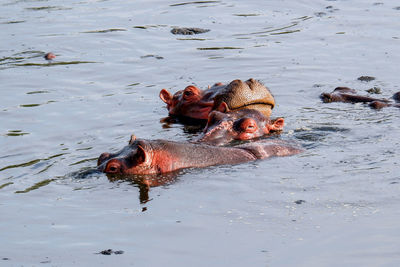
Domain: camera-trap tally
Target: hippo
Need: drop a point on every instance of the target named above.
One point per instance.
(161, 156)
(195, 103)
(243, 124)
(347, 95)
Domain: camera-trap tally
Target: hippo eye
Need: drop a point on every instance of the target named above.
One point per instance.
(187, 94)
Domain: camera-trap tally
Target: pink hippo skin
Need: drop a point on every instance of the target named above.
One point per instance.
(162, 156)
(197, 104)
(244, 124)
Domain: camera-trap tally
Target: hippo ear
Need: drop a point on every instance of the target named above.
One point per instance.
(141, 154)
(166, 96)
(276, 125)
(223, 107)
(133, 138)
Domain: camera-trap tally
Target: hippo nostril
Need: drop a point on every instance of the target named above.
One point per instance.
(103, 157)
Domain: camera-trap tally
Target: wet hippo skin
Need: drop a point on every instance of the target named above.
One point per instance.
(244, 124)
(162, 156)
(195, 103)
(347, 95)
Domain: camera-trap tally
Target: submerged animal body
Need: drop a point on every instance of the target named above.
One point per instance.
(195, 103)
(244, 124)
(347, 95)
(162, 156)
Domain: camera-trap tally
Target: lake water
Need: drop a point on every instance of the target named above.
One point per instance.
(335, 204)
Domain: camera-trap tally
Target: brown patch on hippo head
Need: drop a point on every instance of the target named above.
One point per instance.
(250, 94)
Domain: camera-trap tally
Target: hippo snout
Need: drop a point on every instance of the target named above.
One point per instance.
(326, 97)
(112, 166)
(109, 164)
(103, 158)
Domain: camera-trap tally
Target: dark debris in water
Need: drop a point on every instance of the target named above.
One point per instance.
(366, 78)
(154, 56)
(374, 90)
(110, 251)
(188, 31)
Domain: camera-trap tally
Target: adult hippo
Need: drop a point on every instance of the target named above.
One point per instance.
(162, 156)
(195, 103)
(242, 124)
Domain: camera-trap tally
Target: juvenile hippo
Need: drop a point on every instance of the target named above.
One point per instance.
(161, 156)
(347, 95)
(241, 124)
(197, 104)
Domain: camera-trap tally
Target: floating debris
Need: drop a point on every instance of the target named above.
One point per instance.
(374, 90)
(110, 251)
(188, 31)
(366, 78)
(49, 56)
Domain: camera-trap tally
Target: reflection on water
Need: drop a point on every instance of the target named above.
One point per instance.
(105, 31)
(16, 133)
(145, 182)
(36, 186)
(195, 2)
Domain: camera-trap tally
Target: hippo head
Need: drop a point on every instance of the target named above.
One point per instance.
(250, 94)
(191, 102)
(135, 158)
(337, 95)
(242, 124)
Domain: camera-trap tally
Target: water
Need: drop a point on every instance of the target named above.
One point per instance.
(113, 57)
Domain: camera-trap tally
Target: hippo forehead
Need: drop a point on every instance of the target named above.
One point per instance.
(239, 94)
